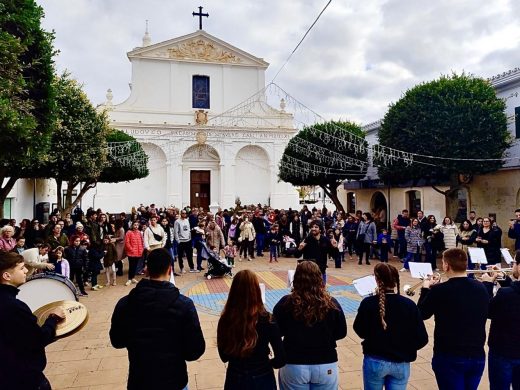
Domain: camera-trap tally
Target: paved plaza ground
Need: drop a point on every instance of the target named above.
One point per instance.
(86, 360)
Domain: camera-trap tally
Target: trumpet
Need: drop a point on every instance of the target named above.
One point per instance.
(503, 271)
(411, 289)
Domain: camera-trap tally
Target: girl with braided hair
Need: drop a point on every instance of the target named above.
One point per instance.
(392, 331)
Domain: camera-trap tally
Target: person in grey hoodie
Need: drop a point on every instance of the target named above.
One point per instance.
(182, 234)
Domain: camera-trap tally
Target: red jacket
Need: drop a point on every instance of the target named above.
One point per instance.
(134, 245)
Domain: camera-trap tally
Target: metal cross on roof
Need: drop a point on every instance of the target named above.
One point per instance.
(200, 15)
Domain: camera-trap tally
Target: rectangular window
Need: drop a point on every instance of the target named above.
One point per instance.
(8, 208)
(517, 121)
(200, 92)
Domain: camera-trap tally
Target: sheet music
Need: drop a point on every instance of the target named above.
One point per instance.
(506, 255)
(290, 278)
(477, 255)
(420, 270)
(366, 285)
(262, 291)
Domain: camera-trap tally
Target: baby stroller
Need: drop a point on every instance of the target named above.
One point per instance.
(216, 266)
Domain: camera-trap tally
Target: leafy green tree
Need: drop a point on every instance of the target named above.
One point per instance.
(26, 95)
(453, 118)
(78, 146)
(325, 155)
(126, 159)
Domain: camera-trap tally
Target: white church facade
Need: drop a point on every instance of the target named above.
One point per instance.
(205, 147)
(202, 152)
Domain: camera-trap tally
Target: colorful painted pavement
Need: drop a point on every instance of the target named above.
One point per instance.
(210, 295)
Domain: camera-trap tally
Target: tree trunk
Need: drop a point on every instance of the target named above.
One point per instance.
(331, 191)
(73, 203)
(451, 196)
(59, 185)
(4, 191)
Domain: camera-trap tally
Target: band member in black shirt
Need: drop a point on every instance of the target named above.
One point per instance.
(504, 337)
(316, 247)
(460, 306)
(392, 331)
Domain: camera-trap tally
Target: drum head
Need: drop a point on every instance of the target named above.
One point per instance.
(45, 289)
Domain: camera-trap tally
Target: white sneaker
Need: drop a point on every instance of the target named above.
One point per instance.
(403, 270)
(248, 258)
(134, 281)
(128, 282)
(183, 271)
(192, 270)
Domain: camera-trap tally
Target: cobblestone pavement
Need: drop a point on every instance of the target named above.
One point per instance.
(86, 360)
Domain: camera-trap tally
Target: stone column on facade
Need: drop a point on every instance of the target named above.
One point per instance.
(174, 181)
(227, 177)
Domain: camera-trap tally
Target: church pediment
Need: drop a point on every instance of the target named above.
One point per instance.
(198, 47)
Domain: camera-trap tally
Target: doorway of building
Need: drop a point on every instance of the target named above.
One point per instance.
(200, 189)
(379, 209)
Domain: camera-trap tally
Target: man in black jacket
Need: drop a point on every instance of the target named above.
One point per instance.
(22, 341)
(504, 338)
(316, 247)
(160, 329)
(460, 306)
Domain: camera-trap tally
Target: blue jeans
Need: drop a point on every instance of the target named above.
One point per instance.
(379, 372)
(307, 377)
(503, 372)
(273, 251)
(259, 243)
(411, 256)
(457, 372)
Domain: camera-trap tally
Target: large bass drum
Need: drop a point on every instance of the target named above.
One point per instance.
(42, 289)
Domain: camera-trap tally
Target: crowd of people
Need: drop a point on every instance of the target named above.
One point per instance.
(305, 325)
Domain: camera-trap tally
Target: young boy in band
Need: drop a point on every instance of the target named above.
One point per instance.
(22, 341)
(460, 307)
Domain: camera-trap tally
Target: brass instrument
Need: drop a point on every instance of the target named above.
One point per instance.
(410, 289)
(503, 271)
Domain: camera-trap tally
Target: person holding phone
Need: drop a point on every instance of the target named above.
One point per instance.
(514, 229)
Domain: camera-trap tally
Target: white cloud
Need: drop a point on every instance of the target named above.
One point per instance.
(359, 57)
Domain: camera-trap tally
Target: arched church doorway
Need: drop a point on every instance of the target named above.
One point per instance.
(252, 175)
(200, 176)
(379, 208)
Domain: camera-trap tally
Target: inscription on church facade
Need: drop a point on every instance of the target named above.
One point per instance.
(210, 134)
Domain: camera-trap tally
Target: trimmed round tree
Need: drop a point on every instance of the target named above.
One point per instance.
(325, 155)
(126, 159)
(453, 118)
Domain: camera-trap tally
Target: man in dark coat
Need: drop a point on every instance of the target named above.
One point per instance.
(160, 329)
(22, 341)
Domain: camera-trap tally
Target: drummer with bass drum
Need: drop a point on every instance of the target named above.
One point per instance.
(22, 341)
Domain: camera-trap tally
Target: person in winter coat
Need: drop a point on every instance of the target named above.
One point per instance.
(134, 247)
(414, 242)
(214, 236)
(77, 257)
(433, 241)
(366, 236)
(95, 263)
(145, 321)
(109, 261)
(450, 232)
(247, 239)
